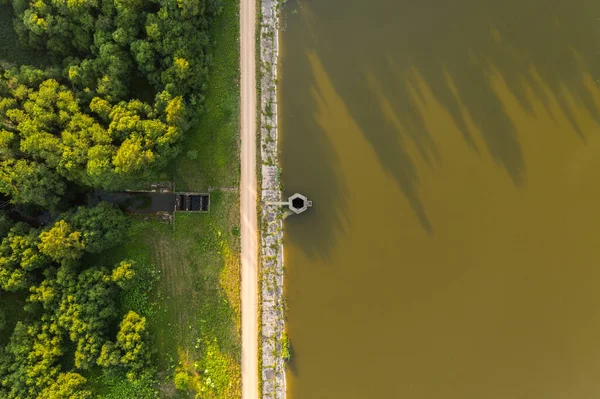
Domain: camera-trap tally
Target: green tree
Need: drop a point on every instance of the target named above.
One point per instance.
(102, 226)
(110, 356)
(123, 273)
(30, 183)
(61, 243)
(67, 386)
(19, 257)
(132, 341)
(176, 112)
(83, 306)
(144, 53)
(28, 363)
(133, 157)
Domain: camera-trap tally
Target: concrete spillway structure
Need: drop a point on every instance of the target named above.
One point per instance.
(297, 203)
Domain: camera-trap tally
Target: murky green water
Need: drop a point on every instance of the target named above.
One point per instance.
(452, 151)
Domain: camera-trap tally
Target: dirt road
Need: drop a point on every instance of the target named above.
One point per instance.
(249, 227)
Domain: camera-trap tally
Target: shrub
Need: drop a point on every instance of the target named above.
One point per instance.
(182, 381)
(285, 347)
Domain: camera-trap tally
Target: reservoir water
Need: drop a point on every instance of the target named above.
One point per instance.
(452, 153)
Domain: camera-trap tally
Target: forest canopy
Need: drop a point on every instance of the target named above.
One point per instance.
(124, 85)
(127, 81)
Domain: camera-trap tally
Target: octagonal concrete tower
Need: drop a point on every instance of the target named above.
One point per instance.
(298, 203)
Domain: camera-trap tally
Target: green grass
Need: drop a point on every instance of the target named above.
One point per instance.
(117, 387)
(210, 156)
(189, 290)
(12, 52)
(189, 285)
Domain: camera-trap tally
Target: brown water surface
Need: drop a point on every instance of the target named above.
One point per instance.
(452, 153)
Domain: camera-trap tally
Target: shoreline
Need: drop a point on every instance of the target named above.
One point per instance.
(272, 362)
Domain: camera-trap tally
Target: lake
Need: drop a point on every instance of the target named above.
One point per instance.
(452, 154)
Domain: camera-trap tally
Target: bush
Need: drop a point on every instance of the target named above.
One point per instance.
(117, 386)
(182, 381)
(285, 347)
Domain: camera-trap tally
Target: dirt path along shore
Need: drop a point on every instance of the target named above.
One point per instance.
(249, 227)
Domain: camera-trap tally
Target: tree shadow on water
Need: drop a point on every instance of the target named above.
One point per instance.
(309, 161)
(379, 55)
(317, 229)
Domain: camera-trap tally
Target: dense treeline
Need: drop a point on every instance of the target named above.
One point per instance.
(88, 120)
(125, 85)
(48, 137)
(106, 43)
(70, 307)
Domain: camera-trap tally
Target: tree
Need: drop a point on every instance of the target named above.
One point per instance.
(30, 183)
(131, 340)
(78, 137)
(99, 167)
(123, 273)
(115, 62)
(101, 107)
(143, 51)
(67, 386)
(82, 306)
(7, 143)
(175, 112)
(61, 243)
(19, 256)
(28, 363)
(102, 226)
(109, 356)
(132, 157)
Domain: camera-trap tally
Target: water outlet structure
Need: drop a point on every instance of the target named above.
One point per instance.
(297, 203)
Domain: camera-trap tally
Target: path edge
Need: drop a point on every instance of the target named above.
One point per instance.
(272, 362)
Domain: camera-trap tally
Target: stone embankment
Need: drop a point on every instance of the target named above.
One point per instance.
(271, 221)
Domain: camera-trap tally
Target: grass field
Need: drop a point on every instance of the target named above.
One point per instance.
(191, 268)
(189, 291)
